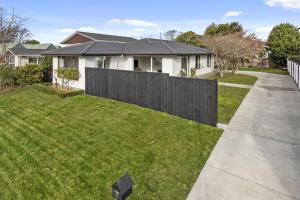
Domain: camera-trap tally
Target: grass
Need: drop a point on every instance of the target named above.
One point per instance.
(234, 78)
(229, 100)
(266, 70)
(76, 147)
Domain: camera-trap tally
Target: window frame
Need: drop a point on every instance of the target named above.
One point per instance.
(198, 62)
(105, 60)
(62, 62)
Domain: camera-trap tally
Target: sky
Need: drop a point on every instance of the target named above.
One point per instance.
(51, 21)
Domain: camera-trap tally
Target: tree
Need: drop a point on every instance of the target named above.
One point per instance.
(11, 30)
(31, 42)
(190, 38)
(223, 29)
(283, 41)
(229, 50)
(171, 35)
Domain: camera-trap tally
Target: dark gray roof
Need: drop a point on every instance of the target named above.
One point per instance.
(30, 50)
(139, 47)
(164, 47)
(101, 37)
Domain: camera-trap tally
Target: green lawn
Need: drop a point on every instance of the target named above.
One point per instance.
(75, 148)
(229, 100)
(266, 70)
(234, 78)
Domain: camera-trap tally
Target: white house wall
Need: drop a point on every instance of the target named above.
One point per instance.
(170, 65)
(75, 84)
(17, 61)
(204, 69)
(176, 66)
(128, 63)
(90, 61)
(167, 65)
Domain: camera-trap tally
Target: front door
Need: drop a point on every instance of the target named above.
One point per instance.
(136, 65)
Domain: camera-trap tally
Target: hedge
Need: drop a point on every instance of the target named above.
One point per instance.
(295, 59)
(24, 75)
(51, 89)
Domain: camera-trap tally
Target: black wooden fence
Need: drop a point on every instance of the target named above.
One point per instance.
(194, 99)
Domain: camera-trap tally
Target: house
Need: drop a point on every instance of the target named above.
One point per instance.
(18, 54)
(123, 53)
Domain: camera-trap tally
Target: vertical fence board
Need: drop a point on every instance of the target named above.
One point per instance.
(194, 99)
(294, 72)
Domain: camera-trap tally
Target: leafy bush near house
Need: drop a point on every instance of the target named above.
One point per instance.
(7, 75)
(67, 75)
(193, 72)
(295, 59)
(28, 74)
(47, 63)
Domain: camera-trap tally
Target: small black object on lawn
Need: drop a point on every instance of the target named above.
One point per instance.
(122, 188)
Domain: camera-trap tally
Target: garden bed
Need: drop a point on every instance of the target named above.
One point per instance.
(4, 89)
(57, 90)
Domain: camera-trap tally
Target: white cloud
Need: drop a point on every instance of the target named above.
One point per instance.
(293, 4)
(67, 30)
(114, 21)
(263, 30)
(72, 30)
(133, 22)
(233, 13)
(139, 23)
(139, 30)
(88, 29)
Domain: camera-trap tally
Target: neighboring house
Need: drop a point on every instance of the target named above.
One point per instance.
(18, 54)
(145, 55)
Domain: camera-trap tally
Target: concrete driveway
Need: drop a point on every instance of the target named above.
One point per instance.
(258, 155)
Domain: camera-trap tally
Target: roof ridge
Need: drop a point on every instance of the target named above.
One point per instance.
(169, 47)
(87, 47)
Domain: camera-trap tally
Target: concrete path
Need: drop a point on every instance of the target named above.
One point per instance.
(235, 85)
(258, 155)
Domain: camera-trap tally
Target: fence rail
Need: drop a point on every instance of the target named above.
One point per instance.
(294, 71)
(193, 99)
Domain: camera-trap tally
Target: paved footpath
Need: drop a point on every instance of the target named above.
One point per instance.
(258, 155)
(235, 85)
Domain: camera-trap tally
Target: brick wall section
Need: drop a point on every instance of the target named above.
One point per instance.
(77, 39)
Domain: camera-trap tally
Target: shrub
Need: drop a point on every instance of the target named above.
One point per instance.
(193, 72)
(182, 73)
(28, 74)
(67, 75)
(295, 59)
(47, 63)
(7, 75)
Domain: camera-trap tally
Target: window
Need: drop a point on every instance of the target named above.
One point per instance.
(157, 64)
(198, 64)
(184, 63)
(103, 62)
(11, 60)
(33, 60)
(208, 60)
(68, 61)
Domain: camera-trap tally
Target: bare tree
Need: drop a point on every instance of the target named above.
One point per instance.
(11, 29)
(171, 34)
(229, 50)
